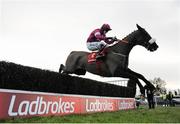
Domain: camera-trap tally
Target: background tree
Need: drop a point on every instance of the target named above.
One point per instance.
(160, 85)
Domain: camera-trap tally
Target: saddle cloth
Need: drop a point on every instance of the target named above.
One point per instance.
(92, 57)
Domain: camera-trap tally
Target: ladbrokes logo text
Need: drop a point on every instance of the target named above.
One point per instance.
(39, 106)
(98, 106)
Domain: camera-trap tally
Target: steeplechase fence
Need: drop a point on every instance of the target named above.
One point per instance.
(27, 91)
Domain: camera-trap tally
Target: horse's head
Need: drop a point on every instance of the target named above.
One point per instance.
(144, 39)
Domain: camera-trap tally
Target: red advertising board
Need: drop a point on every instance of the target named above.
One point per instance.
(15, 103)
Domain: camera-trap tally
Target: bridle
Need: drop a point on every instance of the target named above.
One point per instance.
(119, 54)
(149, 43)
(146, 44)
(123, 41)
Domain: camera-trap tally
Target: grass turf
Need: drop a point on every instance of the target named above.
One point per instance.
(141, 115)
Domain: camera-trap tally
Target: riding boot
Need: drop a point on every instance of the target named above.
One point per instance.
(100, 54)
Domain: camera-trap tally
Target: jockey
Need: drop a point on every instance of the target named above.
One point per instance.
(97, 40)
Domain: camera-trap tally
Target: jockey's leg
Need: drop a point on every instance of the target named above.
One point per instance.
(101, 52)
(97, 46)
(93, 46)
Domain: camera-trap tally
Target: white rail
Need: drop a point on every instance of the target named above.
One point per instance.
(118, 82)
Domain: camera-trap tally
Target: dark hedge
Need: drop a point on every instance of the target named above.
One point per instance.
(15, 76)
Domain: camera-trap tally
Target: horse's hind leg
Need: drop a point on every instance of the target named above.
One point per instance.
(61, 68)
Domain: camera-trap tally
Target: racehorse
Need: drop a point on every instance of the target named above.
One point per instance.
(115, 63)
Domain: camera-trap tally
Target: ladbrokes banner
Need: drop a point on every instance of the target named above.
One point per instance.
(14, 103)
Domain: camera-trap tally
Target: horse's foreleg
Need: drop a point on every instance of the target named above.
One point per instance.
(142, 90)
(126, 74)
(140, 76)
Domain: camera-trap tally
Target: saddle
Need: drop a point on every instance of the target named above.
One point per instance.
(92, 59)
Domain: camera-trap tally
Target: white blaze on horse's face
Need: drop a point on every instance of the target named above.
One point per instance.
(152, 40)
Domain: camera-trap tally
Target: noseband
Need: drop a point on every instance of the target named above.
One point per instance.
(149, 43)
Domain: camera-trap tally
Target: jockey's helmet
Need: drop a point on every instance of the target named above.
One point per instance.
(106, 27)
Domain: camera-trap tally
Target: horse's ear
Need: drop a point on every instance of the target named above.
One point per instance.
(139, 27)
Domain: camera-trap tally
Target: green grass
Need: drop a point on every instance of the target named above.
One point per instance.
(141, 115)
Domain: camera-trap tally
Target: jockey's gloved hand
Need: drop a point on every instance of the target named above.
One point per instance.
(114, 38)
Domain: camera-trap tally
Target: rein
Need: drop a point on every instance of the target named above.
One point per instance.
(124, 41)
(119, 54)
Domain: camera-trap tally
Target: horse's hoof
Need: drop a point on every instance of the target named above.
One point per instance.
(61, 68)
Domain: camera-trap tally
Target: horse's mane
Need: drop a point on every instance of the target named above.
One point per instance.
(130, 36)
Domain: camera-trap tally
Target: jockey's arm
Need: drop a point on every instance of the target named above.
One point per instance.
(110, 40)
(99, 36)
